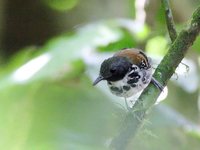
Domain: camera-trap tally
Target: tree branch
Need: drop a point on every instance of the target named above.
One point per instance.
(163, 73)
(169, 20)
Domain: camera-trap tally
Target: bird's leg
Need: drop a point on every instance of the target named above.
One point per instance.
(157, 84)
(133, 102)
(127, 105)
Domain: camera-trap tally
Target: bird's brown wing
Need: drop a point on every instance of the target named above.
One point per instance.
(136, 56)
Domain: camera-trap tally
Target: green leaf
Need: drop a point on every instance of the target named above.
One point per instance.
(61, 5)
(46, 116)
(196, 45)
(157, 46)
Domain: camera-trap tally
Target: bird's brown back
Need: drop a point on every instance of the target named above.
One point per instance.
(136, 56)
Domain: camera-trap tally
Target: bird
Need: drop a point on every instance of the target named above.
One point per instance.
(127, 73)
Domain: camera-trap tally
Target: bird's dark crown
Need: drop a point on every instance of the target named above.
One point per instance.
(115, 68)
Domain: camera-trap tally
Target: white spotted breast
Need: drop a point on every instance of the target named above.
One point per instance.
(134, 81)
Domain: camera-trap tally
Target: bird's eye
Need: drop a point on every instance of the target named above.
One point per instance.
(113, 70)
(142, 64)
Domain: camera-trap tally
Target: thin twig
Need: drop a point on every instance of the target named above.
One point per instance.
(170, 23)
(169, 20)
(163, 73)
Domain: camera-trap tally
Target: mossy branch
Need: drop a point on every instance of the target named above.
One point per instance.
(163, 73)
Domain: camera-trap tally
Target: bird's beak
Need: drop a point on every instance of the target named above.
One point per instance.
(99, 78)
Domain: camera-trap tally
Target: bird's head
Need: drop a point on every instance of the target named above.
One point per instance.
(113, 69)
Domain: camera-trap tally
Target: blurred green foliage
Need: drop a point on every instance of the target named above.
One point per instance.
(61, 5)
(157, 45)
(196, 45)
(57, 108)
